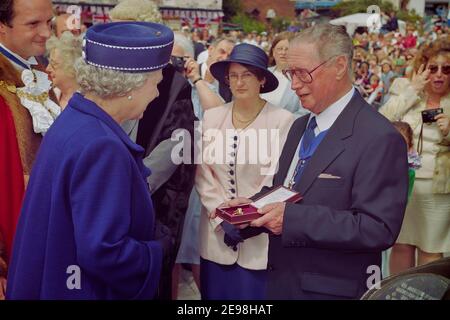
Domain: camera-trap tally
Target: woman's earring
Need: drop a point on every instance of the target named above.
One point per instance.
(130, 97)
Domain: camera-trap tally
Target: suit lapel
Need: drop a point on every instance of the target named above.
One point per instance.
(292, 141)
(328, 150)
(332, 145)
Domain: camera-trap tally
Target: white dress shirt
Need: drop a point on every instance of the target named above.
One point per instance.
(324, 122)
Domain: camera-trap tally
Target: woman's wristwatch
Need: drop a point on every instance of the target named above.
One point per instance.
(196, 80)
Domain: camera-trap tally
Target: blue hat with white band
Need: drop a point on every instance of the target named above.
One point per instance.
(133, 47)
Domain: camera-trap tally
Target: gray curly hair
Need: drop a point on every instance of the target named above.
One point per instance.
(107, 83)
(69, 48)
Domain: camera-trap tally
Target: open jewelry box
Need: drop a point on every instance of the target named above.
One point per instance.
(249, 212)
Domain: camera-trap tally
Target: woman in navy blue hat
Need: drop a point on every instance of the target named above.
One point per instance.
(86, 229)
(234, 261)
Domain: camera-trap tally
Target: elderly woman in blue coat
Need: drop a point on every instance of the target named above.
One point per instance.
(87, 229)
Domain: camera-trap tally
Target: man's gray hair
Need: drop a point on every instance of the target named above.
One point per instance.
(220, 39)
(330, 40)
(185, 43)
(107, 83)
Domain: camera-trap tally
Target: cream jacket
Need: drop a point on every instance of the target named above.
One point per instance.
(406, 105)
(254, 151)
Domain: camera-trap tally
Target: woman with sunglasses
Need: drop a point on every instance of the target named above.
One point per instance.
(427, 220)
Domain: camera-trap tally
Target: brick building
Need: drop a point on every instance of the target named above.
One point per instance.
(282, 8)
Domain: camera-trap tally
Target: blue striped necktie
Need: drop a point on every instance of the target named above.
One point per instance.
(309, 135)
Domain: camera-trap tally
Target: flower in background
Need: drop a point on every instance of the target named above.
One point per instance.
(414, 160)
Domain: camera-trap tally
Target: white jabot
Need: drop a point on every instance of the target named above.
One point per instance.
(43, 112)
(37, 85)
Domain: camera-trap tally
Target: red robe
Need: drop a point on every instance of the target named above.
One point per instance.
(18, 148)
(11, 177)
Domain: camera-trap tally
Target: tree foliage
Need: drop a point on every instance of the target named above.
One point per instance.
(345, 8)
(248, 24)
(280, 24)
(409, 16)
(231, 8)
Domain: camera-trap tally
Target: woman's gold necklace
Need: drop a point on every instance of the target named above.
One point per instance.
(247, 121)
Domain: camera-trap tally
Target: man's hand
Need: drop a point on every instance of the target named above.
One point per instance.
(443, 123)
(192, 69)
(272, 218)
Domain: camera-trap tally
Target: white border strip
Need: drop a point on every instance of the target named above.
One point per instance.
(130, 48)
(126, 69)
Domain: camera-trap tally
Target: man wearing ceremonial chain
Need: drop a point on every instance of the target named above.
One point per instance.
(26, 111)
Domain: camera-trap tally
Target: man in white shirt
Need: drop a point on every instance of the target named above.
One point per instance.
(219, 50)
(350, 166)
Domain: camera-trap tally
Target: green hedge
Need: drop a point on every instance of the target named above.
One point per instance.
(248, 24)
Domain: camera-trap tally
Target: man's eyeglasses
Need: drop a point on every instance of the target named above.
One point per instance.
(434, 68)
(303, 75)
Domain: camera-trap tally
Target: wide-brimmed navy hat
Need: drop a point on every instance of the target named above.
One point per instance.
(250, 55)
(133, 47)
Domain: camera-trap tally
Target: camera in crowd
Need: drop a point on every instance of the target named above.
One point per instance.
(428, 115)
(178, 63)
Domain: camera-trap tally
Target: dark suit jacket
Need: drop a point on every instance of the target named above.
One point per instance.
(172, 110)
(341, 226)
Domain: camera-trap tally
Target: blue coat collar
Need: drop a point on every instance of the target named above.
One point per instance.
(80, 103)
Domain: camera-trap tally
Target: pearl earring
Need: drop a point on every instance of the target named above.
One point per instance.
(130, 97)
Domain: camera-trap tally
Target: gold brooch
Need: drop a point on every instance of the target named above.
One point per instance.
(238, 212)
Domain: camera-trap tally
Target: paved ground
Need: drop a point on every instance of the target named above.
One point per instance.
(187, 289)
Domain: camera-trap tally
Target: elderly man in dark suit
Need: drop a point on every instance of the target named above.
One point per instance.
(350, 166)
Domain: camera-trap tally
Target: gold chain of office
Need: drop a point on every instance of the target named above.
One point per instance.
(41, 98)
